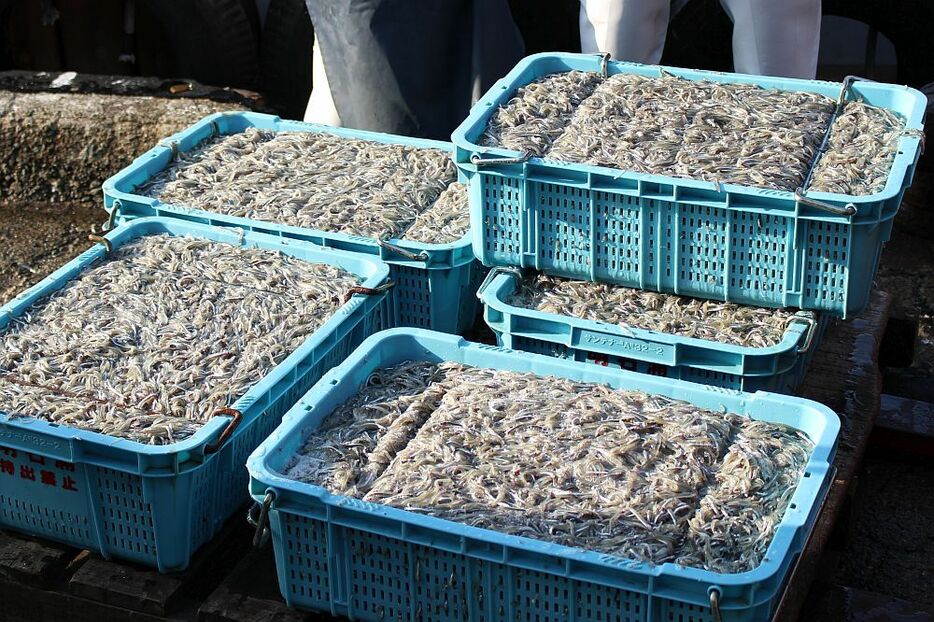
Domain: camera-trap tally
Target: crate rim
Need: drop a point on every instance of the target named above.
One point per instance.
(502, 90)
(265, 478)
(493, 295)
(120, 188)
(141, 227)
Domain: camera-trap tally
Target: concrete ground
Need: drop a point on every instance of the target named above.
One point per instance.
(37, 238)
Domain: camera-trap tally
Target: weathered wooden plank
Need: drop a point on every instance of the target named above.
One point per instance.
(905, 428)
(126, 587)
(123, 590)
(25, 603)
(844, 376)
(33, 562)
(145, 590)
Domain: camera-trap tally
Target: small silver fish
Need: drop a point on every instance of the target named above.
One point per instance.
(619, 472)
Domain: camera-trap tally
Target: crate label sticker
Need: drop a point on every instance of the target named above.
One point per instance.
(620, 562)
(27, 438)
(40, 470)
(621, 343)
(619, 362)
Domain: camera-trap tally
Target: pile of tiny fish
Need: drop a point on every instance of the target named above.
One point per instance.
(862, 147)
(724, 322)
(444, 222)
(318, 180)
(149, 343)
(720, 132)
(619, 472)
(539, 112)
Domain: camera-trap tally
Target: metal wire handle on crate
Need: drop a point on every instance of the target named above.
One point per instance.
(849, 209)
(261, 522)
(604, 60)
(494, 272)
(368, 291)
(383, 242)
(102, 240)
(478, 160)
(235, 418)
(810, 321)
(112, 217)
(715, 604)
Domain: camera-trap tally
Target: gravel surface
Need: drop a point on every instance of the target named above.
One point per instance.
(37, 238)
(61, 147)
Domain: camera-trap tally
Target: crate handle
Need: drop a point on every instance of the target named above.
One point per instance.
(847, 210)
(102, 240)
(604, 59)
(172, 146)
(715, 604)
(807, 318)
(368, 291)
(477, 160)
(112, 218)
(398, 250)
(260, 523)
(841, 102)
(235, 418)
(492, 274)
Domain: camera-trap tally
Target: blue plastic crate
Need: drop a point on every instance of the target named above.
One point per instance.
(372, 562)
(157, 505)
(779, 368)
(433, 284)
(723, 241)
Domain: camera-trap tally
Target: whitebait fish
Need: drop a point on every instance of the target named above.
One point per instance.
(619, 472)
(320, 181)
(862, 146)
(539, 112)
(720, 132)
(723, 322)
(149, 343)
(444, 222)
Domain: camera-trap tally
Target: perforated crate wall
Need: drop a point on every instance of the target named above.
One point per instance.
(439, 299)
(375, 577)
(685, 248)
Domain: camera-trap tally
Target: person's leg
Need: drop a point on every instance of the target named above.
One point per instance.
(321, 108)
(775, 38)
(632, 30)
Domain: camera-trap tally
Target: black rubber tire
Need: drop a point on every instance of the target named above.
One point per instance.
(286, 57)
(700, 34)
(213, 40)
